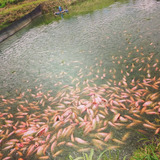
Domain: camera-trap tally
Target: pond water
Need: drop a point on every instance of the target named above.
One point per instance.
(91, 81)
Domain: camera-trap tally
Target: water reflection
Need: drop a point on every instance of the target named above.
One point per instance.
(88, 82)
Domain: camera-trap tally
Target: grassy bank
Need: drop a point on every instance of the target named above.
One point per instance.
(13, 12)
(78, 7)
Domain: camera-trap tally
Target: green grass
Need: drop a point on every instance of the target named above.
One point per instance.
(3, 3)
(15, 12)
(20, 6)
(102, 156)
(149, 149)
(89, 6)
(82, 7)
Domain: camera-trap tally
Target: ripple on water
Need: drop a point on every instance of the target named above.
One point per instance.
(91, 81)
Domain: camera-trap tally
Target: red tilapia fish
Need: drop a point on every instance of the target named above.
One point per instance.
(86, 116)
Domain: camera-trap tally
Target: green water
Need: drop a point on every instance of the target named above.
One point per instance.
(94, 49)
(44, 52)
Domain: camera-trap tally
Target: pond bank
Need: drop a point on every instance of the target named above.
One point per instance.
(21, 17)
(19, 24)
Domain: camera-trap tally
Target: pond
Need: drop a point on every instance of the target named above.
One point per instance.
(88, 82)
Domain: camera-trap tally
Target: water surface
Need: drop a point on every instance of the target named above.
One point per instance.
(112, 46)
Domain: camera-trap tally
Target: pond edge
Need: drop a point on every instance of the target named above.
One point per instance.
(19, 24)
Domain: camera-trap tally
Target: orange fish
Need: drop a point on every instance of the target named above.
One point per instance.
(115, 118)
(112, 147)
(81, 141)
(148, 103)
(84, 150)
(149, 126)
(117, 141)
(157, 131)
(43, 158)
(57, 153)
(53, 146)
(125, 137)
(109, 136)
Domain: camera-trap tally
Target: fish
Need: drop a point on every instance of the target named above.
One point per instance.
(30, 150)
(6, 158)
(71, 145)
(19, 153)
(94, 124)
(148, 103)
(66, 114)
(57, 153)
(122, 119)
(30, 132)
(98, 142)
(43, 157)
(11, 151)
(8, 147)
(157, 130)
(118, 141)
(112, 124)
(128, 117)
(102, 134)
(84, 150)
(126, 135)
(61, 143)
(52, 138)
(53, 146)
(81, 141)
(88, 129)
(142, 131)
(149, 126)
(59, 133)
(99, 146)
(72, 138)
(112, 147)
(108, 136)
(143, 109)
(116, 117)
(45, 149)
(42, 130)
(136, 115)
(131, 125)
